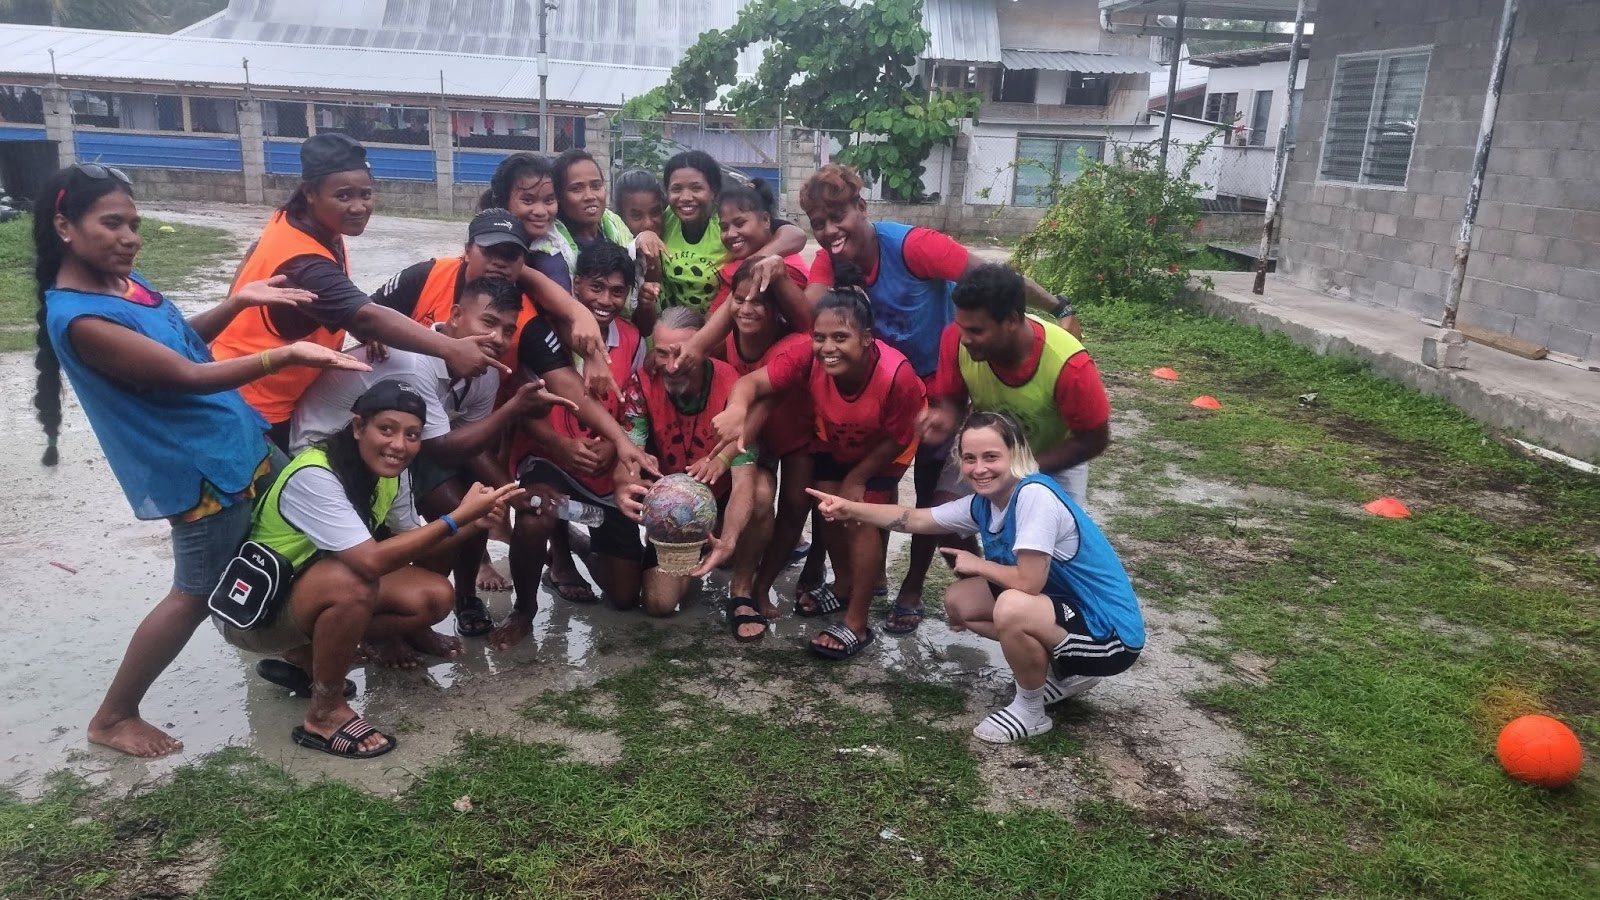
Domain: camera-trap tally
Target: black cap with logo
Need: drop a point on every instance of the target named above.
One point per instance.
(391, 393)
(497, 226)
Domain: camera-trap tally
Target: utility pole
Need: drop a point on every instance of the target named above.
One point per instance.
(1172, 83)
(546, 139)
(1280, 157)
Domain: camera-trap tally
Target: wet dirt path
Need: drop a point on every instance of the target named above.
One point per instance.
(66, 626)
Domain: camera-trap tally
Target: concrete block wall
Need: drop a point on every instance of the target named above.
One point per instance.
(1535, 267)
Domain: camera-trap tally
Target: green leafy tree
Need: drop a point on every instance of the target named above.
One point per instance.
(1202, 46)
(832, 65)
(1120, 230)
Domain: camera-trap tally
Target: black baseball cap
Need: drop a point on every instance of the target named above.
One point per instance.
(325, 154)
(391, 393)
(497, 226)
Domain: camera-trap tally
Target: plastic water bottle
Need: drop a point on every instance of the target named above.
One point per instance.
(574, 511)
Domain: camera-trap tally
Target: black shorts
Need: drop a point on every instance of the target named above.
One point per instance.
(617, 536)
(880, 488)
(1081, 653)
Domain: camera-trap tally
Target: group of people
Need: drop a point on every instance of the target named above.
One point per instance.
(572, 353)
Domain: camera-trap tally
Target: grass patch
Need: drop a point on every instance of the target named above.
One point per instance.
(168, 259)
(1387, 656)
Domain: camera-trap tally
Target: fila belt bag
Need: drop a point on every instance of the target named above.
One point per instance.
(252, 588)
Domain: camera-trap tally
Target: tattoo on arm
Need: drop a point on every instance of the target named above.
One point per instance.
(899, 524)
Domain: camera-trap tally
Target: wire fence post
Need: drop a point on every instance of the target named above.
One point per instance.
(1172, 82)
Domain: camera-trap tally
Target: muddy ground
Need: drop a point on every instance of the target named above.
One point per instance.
(77, 572)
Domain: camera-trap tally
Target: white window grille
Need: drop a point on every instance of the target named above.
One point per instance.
(1372, 117)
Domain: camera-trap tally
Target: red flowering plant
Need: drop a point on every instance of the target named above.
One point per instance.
(1119, 230)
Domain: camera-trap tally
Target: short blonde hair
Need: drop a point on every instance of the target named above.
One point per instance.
(1023, 463)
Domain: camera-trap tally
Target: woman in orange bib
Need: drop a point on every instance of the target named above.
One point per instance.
(304, 241)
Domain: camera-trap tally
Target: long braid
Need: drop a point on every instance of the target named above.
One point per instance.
(47, 386)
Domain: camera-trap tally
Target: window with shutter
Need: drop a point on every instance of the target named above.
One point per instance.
(1372, 117)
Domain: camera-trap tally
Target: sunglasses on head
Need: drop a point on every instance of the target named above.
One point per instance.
(96, 172)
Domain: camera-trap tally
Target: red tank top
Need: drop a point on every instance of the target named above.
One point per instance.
(680, 439)
(852, 426)
(791, 427)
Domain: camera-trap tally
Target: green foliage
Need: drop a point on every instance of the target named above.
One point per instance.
(1120, 230)
(830, 65)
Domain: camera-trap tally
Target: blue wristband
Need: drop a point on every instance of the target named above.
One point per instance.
(450, 523)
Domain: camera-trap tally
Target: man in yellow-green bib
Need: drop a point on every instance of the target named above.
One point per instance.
(995, 357)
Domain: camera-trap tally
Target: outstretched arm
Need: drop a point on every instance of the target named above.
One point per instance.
(904, 519)
(271, 292)
(137, 361)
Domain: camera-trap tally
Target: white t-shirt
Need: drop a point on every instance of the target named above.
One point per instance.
(313, 501)
(1044, 523)
(324, 409)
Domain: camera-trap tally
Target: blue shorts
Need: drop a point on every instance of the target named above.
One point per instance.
(203, 548)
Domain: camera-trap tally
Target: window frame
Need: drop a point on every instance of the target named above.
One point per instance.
(1060, 140)
(1383, 57)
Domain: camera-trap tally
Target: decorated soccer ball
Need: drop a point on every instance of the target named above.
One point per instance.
(679, 510)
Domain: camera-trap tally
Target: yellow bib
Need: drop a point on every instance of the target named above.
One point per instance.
(1033, 403)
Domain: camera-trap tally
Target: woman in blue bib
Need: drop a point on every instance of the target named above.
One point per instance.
(1048, 587)
(181, 442)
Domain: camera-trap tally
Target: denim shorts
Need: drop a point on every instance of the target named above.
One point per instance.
(202, 549)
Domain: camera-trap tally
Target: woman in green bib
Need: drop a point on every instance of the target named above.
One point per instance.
(323, 514)
(691, 251)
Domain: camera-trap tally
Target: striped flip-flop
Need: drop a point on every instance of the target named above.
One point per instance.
(1003, 727)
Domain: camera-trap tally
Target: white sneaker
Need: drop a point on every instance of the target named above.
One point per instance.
(1058, 689)
(1003, 727)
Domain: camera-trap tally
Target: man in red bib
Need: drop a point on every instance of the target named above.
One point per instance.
(670, 414)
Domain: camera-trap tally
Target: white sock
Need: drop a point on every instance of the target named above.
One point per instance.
(1028, 704)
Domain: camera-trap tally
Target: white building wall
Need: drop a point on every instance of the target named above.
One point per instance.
(1247, 80)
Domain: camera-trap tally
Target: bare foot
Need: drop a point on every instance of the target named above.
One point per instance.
(512, 631)
(769, 609)
(389, 653)
(135, 737)
(490, 579)
(433, 643)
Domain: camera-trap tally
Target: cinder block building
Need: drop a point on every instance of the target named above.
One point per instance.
(1375, 190)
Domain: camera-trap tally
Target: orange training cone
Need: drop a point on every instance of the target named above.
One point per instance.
(1165, 374)
(1206, 401)
(1389, 508)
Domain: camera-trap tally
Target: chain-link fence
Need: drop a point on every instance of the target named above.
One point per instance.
(936, 168)
(1019, 170)
(743, 152)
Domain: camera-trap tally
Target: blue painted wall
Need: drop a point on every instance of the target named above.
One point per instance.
(398, 163)
(21, 133)
(160, 151)
(476, 168)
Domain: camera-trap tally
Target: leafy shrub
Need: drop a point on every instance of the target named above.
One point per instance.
(1120, 229)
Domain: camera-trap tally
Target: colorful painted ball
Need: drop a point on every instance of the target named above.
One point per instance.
(679, 510)
(1540, 750)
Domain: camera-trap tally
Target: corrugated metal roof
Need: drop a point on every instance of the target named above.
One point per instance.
(25, 50)
(962, 30)
(650, 33)
(1251, 56)
(1251, 10)
(1066, 61)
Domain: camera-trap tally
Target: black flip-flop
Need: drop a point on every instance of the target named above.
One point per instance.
(294, 679)
(737, 619)
(346, 740)
(823, 602)
(579, 591)
(472, 617)
(899, 611)
(847, 639)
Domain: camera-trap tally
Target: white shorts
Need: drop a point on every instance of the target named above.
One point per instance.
(1075, 481)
